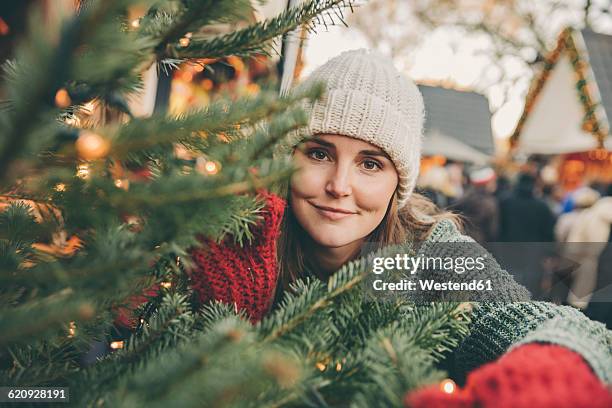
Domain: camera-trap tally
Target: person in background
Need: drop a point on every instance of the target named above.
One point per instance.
(503, 187)
(584, 198)
(524, 217)
(479, 206)
(590, 234)
(552, 195)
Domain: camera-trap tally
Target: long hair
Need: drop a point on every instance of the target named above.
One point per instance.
(412, 222)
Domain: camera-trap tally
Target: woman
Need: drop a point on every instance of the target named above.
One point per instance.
(358, 162)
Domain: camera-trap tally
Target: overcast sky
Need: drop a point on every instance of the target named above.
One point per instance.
(434, 61)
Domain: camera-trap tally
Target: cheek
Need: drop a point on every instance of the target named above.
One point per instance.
(374, 196)
(308, 181)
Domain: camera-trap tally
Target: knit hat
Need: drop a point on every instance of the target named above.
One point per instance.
(368, 99)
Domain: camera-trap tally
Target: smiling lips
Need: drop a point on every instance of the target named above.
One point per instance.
(333, 213)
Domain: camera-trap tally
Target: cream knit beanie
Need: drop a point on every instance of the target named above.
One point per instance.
(368, 99)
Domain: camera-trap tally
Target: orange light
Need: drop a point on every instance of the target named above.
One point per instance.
(211, 167)
(115, 345)
(448, 386)
(71, 329)
(62, 99)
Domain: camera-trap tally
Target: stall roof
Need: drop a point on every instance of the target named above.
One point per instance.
(599, 47)
(576, 85)
(459, 115)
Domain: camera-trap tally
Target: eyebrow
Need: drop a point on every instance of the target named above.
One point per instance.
(363, 152)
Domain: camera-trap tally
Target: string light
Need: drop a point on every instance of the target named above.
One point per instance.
(184, 41)
(115, 345)
(338, 367)
(166, 285)
(62, 99)
(320, 366)
(122, 183)
(71, 329)
(135, 23)
(448, 386)
(82, 171)
(60, 187)
(91, 146)
(211, 167)
(207, 167)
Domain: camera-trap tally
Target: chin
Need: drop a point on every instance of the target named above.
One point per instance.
(331, 237)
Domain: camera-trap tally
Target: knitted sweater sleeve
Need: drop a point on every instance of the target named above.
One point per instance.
(510, 320)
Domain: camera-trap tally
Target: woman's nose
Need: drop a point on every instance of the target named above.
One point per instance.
(339, 183)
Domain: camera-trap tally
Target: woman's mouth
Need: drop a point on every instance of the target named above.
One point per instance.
(331, 213)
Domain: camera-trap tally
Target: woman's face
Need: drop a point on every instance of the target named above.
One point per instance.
(341, 190)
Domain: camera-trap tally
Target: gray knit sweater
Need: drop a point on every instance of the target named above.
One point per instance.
(507, 321)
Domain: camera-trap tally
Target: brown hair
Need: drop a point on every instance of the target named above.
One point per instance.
(412, 222)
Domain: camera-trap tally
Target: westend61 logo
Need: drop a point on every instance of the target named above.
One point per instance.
(445, 269)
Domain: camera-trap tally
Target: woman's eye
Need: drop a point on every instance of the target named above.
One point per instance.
(317, 154)
(371, 165)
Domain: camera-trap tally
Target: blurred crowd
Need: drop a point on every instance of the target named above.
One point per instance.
(526, 209)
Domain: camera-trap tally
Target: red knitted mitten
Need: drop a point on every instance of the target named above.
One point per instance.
(245, 276)
(532, 375)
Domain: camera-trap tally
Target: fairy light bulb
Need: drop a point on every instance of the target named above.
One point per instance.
(211, 167)
(71, 329)
(82, 171)
(123, 184)
(184, 41)
(60, 187)
(135, 23)
(91, 146)
(62, 99)
(166, 285)
(115, 345)
(448, 386)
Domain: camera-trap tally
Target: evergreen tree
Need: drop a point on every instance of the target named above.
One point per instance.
(80, 233)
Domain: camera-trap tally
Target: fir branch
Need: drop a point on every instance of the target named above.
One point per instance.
(170, 325)
(42, 316)
(256, 38)
(40, 71)
(194, 14)
(144, 200)
(298, 309)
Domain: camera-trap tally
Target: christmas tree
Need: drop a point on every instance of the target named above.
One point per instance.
(95, 212)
